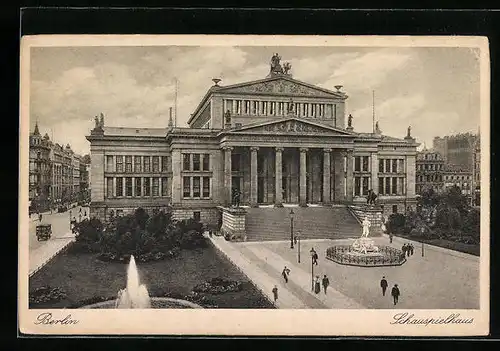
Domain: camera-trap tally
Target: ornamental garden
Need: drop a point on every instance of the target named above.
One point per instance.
(174, 260)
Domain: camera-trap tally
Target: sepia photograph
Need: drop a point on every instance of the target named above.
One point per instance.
(230, 184)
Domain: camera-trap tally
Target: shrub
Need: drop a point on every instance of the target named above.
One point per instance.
(218, 285)
(46, 294)
(396, 223)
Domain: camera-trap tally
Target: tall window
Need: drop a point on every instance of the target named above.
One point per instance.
(254, 107)
(164, 186)
(128, 185)
(196, 187)
(357, 163)
(381, 186)
(119, 186)
(365, 163)
(156, 164)
(186, 187)
(263, 108)
(156, 186)
(206, 162)
(137, 164)
(394, 166)
(387, 166)
(365, 185)
(247, 107)
(164, 164)
(272, 109)
(109, 163)
(238, 107)
(138, 187)
(381, 166)
(119, 164)
(206, 187)
(387, 186)
(394, 186)
(186, 162)
(147, 164)
(196, 162)
(128, 164)
(147, 187)
(357, 186)
(109, 186)
(401, 190)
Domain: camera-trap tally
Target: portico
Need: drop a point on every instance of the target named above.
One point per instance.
(268, 166)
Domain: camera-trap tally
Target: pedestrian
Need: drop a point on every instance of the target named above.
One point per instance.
(390, 238)
(285, 273)
(80, 210)
(314, 256)
(411, 249)
(275, 293)
(383, 285)
(85, 213)
(408, 248)
(80, 217)
(40, 217)
(404, 249)
(325, 282)
(395, 294)
(317, 286)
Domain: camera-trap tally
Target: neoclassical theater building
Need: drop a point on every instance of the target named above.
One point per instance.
(276, 141)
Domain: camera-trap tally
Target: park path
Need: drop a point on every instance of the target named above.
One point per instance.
(40, 256)
(302, 280)
(264, 268)
(263, 281)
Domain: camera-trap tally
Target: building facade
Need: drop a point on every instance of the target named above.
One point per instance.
(54, 173)
(40, 172)
(457, 150)
(273, 141)
(430, 168)
(460, 177)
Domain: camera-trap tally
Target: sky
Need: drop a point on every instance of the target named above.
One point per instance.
(433, 90)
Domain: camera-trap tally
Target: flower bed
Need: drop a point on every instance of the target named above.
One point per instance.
(46, 294)
(217, 286)
(146, 257)
(386, 256)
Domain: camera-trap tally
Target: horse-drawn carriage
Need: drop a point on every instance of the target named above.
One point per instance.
(43, 231)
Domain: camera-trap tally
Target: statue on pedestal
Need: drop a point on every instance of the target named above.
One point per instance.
(366, 227)
(349, 120)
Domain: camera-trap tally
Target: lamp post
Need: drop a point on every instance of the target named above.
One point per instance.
(422, 242)
(291, 228)
(312, 269)
(297, 238)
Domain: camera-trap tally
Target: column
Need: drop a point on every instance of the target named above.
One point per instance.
(278, 188)
(253, 176)
(326, 176)
(349, 178)
(374, 172)
(303, 178)
(133, 186)
(151, 186)
(227, 175)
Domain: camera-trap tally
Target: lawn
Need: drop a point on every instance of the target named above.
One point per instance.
(84, 279)
(471, 249)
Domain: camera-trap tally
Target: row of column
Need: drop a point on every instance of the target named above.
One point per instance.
(279, 176)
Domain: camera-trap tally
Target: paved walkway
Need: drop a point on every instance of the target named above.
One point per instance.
(264, 268)
(261, 280)
(43, 254)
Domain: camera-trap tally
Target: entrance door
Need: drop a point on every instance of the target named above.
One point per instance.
(236, 184)
(260, 190)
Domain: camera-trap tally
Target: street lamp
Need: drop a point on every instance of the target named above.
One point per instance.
(312, 252)
(297, 241)
(291, 228)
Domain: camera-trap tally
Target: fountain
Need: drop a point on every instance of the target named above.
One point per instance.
(363, 252)
(136, 295)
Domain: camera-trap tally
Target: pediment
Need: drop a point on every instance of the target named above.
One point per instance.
(290, 126)
(281, 86)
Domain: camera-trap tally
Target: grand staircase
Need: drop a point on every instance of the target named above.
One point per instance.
(264, 224)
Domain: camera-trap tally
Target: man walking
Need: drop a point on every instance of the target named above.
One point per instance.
(325, 282)
(395, 294)
(275, 293)
(390, 238)
(314, 256)
(411, 249)
(285, 274)
(383, 285)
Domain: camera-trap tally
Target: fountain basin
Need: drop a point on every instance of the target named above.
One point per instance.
(351, 256)
(156, 303)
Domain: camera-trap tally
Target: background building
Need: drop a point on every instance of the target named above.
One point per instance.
(40, 173)
(460, 177)
(430, 168)
(55, 174)
(457, 150)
